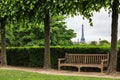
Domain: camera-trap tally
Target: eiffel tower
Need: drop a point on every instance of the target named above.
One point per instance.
(82, 36)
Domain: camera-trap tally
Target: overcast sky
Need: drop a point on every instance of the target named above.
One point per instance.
(101, 28)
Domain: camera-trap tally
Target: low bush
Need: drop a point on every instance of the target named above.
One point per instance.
(34, 56)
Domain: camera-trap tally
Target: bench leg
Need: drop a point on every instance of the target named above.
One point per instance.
(58, 67)
(102, 70)
(78, 69)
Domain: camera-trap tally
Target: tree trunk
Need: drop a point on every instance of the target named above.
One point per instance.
(113, 54)
(3, 44)
(47, 61)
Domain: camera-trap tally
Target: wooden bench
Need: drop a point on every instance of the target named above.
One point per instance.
(84, 60)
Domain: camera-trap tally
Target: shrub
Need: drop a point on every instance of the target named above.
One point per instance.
(34, 56)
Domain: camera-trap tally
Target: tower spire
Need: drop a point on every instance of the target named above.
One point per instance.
(82, 35)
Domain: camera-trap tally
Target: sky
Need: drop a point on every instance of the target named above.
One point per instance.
(101, 29)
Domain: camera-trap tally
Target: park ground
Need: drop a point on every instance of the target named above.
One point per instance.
(62, 72)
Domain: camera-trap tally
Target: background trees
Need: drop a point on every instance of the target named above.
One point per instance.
(104, 42)
(32, 34)
(60, 35)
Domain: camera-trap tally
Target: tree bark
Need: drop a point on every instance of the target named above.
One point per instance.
(113, 53)
(47, 60)
(3, 43)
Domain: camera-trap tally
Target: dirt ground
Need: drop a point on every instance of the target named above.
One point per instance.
(62, 72)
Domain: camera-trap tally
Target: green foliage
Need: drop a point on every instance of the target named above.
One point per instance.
(33, 56)
(24, 34)
(118, 59)
(104, 42)
(6, 8)
(32, 34)
(15, 9)
(27, 56)
(119, 42)
(93, 43)
(60, 35)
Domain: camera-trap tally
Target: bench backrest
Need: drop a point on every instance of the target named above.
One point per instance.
(85, 58)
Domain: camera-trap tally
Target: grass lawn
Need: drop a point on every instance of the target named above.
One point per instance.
(22, 75)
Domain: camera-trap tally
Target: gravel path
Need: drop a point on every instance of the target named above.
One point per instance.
(62, 72)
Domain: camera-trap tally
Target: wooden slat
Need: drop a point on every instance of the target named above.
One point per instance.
(85, 58)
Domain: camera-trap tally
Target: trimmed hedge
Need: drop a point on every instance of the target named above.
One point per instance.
(25, 56)
(118, 59)
(34, 56)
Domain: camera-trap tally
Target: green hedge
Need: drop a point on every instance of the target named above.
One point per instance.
(118, 60)
(25, 56)
(33, 56)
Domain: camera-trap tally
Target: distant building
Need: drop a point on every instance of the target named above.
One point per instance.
(82, 35)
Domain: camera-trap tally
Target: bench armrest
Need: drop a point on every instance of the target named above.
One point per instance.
(61, 59)
(103, 61)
